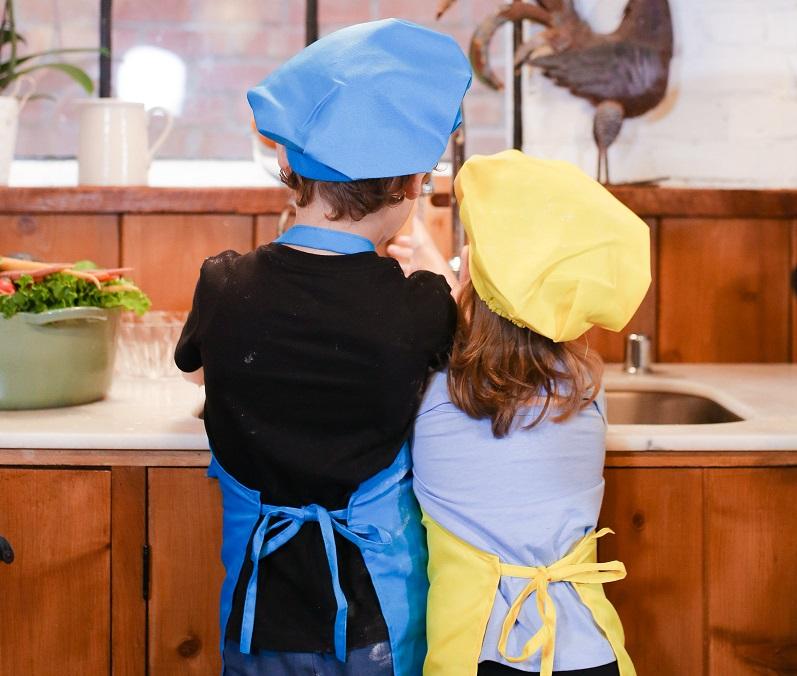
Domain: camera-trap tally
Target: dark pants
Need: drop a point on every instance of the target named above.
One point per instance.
(495, 669)
(375, 660)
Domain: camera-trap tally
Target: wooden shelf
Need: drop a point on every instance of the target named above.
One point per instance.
(646, 201)
(97, 200)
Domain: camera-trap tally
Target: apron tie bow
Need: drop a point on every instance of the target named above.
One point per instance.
(277, 525)
(578, 566)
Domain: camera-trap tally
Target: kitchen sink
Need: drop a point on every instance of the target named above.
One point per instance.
(636, 407)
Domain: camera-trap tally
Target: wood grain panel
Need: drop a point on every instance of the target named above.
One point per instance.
(657, 517)
(185, 536)
(794, 291)
(611, 345)
(128, 536)
(694, 202)
(751, 559)
(55, 596)
(167, 251)
(144, 200)
(267, 228)
(61, 237)
(723, 290)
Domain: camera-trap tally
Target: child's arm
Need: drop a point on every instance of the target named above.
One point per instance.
(418, 252)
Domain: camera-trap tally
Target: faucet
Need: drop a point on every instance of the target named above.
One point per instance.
(637, 354)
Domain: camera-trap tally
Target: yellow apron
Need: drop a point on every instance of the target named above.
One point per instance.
(463, 582)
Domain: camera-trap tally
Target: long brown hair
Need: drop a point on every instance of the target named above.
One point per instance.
(497, 368)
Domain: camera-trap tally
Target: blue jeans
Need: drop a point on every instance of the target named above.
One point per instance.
(374, 660)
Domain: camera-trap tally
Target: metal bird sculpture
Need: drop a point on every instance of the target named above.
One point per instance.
(623, 74)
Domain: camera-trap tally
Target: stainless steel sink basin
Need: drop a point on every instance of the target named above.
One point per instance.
(634, 407)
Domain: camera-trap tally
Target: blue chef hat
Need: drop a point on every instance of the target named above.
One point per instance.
(372, 100)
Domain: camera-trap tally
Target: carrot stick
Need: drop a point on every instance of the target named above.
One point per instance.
(82, 274)
(7, 263)
(38, 273)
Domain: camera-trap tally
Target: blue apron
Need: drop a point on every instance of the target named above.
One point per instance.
(382, 518)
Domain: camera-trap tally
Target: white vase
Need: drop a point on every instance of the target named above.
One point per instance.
(9, 117)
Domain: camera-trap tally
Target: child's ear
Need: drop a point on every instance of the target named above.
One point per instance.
(414, 186)
(282, 159)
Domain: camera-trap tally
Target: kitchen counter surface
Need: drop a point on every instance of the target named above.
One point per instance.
(159, 416)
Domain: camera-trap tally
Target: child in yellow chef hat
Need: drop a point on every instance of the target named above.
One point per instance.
(509, 442)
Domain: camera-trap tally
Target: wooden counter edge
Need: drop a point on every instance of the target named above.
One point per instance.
(78, 457)
(193, 458)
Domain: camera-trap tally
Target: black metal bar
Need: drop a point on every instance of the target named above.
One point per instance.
(517, 89)
(311, 22)
(105, 48)
(457, 160)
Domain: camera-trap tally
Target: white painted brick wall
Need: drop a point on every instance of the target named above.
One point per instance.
(730, 115)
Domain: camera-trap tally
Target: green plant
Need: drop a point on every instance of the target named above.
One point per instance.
(12, 65)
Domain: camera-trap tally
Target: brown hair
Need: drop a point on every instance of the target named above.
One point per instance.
(497, 367)
(350, 199)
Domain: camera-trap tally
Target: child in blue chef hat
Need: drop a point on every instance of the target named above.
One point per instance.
(315, 351)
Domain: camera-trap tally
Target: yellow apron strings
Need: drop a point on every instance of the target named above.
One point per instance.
(606, 617)
(579, 568)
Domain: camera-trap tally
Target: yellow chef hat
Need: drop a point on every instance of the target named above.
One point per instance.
(550, 248)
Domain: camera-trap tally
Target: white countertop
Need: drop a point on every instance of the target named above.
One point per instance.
(142, 414)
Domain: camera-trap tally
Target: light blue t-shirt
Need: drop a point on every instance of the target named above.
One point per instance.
(527, 498)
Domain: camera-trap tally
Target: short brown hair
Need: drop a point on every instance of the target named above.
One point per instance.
(350, 199)
(497, 368)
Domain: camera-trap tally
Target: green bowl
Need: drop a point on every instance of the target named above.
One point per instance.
(56, 358)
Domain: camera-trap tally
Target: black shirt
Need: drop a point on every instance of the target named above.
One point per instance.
(314, 367)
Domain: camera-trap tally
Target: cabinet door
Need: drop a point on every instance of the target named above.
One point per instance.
(657, 517)
(724, 290)
(55, 596)
(794, 291)
(167, 251)
(186, 572)
(751, 559)
(61, 237)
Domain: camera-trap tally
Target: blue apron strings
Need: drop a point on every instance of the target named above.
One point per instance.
(328, 240)
(365, 536)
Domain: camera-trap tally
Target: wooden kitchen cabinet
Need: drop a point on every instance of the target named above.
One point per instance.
(707, 539)
(656, 514)
(750, 563)
(723, 292)
(61, 237)
(184, 526)
(167, 251)
(55, 597)
(794, 291)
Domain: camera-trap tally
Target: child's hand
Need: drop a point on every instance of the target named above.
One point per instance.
(418, 252)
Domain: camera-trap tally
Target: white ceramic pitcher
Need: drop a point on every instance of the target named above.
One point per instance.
(114, 146)
(10, 106)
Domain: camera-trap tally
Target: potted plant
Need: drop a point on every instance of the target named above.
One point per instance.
(58, 325)
(15, 69)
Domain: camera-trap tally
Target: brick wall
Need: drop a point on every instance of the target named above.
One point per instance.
(227, 46)
(730, 117)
